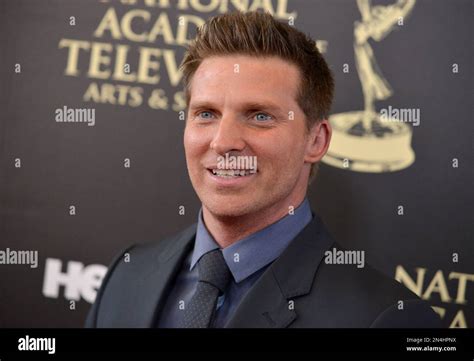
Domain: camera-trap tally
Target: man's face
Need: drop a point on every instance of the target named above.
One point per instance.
(246, 106)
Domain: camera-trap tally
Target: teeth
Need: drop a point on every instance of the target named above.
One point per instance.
(231, 172)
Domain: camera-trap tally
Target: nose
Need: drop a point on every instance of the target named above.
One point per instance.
(228, 137)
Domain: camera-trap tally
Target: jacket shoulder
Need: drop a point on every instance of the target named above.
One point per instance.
(132, 264)
(365, 297)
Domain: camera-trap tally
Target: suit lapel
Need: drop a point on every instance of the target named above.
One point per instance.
(264, 306)
(153, 287)
(267, 303)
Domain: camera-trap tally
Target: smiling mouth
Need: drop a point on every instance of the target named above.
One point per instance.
(232, 173)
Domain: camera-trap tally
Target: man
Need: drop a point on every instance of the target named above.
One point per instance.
(258, 95)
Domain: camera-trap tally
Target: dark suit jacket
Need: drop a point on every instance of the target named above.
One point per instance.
(133, 293)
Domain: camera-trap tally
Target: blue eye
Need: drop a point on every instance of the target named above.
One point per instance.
(262, 116)
(205, 115)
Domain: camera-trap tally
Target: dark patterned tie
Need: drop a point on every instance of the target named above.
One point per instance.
(213, 278)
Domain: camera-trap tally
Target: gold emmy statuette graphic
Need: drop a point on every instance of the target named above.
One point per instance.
(361, 141)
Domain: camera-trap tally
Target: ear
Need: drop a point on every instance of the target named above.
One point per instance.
(318, 141)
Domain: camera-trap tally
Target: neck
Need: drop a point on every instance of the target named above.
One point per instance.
(226, 230)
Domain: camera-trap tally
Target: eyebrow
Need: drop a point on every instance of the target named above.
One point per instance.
(253, 105)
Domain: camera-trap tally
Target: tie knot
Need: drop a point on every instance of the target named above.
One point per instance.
(214, 270)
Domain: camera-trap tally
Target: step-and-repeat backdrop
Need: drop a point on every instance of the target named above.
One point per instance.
(91, 125)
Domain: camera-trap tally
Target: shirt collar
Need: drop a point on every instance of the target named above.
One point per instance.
(256, 251)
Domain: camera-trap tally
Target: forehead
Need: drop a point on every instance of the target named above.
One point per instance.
(238, 79)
